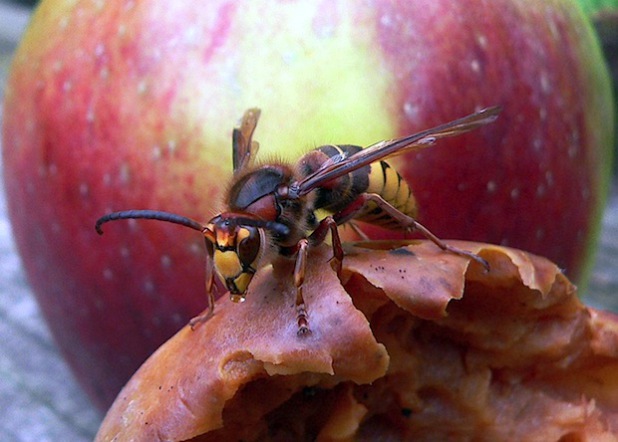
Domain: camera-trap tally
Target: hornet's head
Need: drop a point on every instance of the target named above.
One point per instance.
(237, 244)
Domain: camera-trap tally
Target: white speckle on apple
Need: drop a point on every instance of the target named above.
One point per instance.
(156, 152)
(540, 191)
(386, 20)
(125, 173)
(289, 57)
(124, 252)
(133, 225)
(491, 186)
(99, 50)
(190, 36)
(67, 86)
(545, 83)
(475, 65)
(540, 233)
(411, 111)
(90, 117)
(108, 274)
(142, 87)
(149, 285)
(572, 151)
(196, 249)
(64, 22)
(107, 179)
(156, 54)
(166, 261)
(84, 190)
(537, 144)
(553, 29)
(55, 227)
(462, 187)
(543, 114)
(104, 72)
(57, 66)
(177, 318)
(515, 193)
(48, 170)
(171, 146)
(549, 177)
(481, 40)
(122, 30)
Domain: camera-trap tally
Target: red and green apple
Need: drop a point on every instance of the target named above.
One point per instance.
(131, 104)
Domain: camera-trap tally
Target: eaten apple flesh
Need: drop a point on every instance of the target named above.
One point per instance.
(114, 106)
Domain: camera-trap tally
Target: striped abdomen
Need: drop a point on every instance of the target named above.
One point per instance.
(386, 182)
(379, 178)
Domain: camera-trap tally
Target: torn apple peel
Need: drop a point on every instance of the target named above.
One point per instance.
(411, 343)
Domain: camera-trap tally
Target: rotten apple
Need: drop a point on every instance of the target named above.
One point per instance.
(120, 105)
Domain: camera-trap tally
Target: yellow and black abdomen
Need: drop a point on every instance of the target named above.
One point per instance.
(385, 181)
(379, 178)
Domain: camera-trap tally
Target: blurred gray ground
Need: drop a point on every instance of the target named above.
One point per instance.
(39, 399)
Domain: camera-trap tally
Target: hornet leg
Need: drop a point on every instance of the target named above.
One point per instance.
(317, 237)
(404, 220)
(299, 278)
(210, 280)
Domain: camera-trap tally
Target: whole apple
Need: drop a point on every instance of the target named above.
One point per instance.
(131, 104)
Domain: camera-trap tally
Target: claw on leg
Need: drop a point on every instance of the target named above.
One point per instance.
(210, 281)
(447, 247)
(299, 278)
(404, 221)
(209, 312)
(301, 316)
(319, 234)
(194, 322)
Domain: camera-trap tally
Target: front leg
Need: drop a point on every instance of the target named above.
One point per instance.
(301, 250)
(319, 234)
(358, 206)
(299, 278)
(210, 282)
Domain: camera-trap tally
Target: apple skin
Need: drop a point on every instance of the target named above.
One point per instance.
(120, 105)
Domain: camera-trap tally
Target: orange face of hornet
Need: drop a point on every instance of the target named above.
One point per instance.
(236, 251)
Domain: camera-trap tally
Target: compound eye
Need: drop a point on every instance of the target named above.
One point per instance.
(249, 246)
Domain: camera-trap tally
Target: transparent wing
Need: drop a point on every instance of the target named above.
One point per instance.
(333, 169)
(244, 150)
